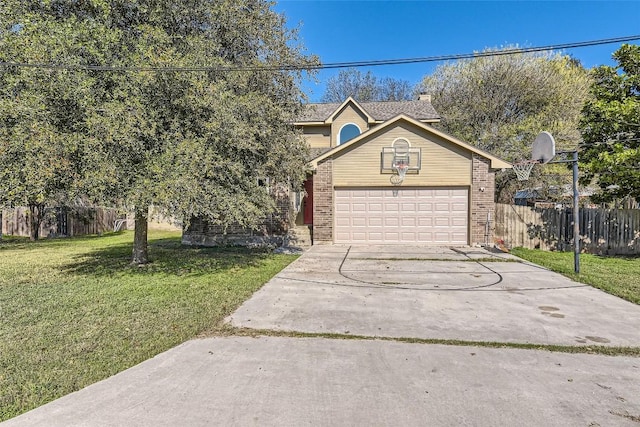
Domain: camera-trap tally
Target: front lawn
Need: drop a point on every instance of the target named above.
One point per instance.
(73, 311)
(618, 276)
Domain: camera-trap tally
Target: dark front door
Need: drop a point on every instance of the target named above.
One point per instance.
(308, 201)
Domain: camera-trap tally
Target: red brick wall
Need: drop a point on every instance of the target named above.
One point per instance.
(482, 201)
(323, 202)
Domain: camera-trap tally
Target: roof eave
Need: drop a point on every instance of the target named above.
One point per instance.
(496, 162)
(329, 119)
(314, 123)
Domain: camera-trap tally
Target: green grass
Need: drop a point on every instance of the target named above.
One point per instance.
(618, 276)
(573, 349)
(73, 311)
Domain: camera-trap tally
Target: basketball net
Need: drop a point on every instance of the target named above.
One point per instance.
(401, 169)
(523, 169)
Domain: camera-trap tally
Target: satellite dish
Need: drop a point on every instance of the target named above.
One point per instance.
(544, 148)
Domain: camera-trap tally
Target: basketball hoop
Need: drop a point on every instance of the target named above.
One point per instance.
(523, 169)
(401, 170)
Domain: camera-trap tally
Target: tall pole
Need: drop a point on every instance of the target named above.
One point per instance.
(576, 215)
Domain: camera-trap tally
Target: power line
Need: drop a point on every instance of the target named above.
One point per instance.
(330, 65)
(511, 51)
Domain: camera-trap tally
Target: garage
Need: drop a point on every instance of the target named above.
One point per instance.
(427, 215)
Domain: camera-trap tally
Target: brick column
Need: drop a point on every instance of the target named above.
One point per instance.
(482, 201)
(323, 203)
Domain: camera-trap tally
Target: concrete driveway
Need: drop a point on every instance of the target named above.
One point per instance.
(415, 292)
(437, 293)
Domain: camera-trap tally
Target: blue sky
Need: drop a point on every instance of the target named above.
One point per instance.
(341, 31)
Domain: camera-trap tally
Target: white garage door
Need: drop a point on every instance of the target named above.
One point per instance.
(418, 215)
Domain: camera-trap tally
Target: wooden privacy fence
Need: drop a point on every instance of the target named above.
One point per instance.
(602, 231)
(61, 221)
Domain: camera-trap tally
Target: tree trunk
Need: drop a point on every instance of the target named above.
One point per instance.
(35, 219)
(140, 250)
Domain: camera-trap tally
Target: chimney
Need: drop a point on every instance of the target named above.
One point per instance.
(424, 97)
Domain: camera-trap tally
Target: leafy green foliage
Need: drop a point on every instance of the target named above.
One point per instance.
(500, 103)
(193, 143)
(75, 312)
(41, 111)
(366, 87)
(611, 127)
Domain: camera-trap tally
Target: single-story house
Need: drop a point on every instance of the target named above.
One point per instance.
(356, 193)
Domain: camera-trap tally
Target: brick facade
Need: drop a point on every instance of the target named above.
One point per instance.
(323, 203)
(482, 201)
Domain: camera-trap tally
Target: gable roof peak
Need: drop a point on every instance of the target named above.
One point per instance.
(376, 111)
(349, 100)
(496, 162)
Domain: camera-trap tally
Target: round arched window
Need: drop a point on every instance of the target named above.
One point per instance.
(348, 131)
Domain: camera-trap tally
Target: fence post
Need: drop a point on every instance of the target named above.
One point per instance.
(576, 215)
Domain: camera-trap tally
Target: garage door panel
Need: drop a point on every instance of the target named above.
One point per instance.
(423, 215)
(375, 221)
(391, 221)
(342, 207)
(442, 222)
(458, 222)
(360, 221)
(442, 237)
(424, 236)
(391, 236)
(459, 237)
(343, 235)
(343, 221)
(409, 207)
(442, 207)
(375, 235)
(408, 236)
(408, 221)
(391, 207)
(425, 221)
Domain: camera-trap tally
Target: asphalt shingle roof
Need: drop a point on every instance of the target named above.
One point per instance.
(419, 110)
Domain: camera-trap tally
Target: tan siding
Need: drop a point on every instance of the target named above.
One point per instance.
(443, 163)
(347, 115)
(318, 136)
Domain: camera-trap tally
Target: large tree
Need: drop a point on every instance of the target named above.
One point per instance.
(195, 141)
(610, 151)
(42, 111)
(499, 103)
(366, 87)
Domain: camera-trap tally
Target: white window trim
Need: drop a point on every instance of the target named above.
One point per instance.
(340, 132)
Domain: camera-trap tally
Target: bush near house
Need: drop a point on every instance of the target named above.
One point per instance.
(74, 311)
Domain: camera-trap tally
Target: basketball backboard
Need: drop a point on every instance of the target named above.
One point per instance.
(544, 148)
(400, 154)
